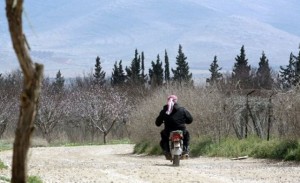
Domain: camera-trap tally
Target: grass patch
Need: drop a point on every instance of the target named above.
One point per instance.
(146, 147)
(73, 144)
(120, 141)
(4, 179)
(201, 146)
(110, 142)
(2, 165)
(232, 147)
(155, 150)
(34, 179)
(6, 145)
(38, 142)
(278, 149)
(142, 147)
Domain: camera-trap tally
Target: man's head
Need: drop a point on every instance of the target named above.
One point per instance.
(172, 99)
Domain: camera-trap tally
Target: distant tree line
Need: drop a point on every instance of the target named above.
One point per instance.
(61, 106)
(243, 76)
(136, 75)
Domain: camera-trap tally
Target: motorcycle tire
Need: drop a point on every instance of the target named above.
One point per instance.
(176, 160)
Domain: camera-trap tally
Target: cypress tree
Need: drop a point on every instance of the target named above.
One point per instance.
(181, 73)
(156, 73)
(115, 74)
(297, 69)
(263, 74)
(287, 74)
(167, 67)
(214, 70)
(241, 70)
(59, 82)
(134, 71)
(144, 76)
(99, 75)
(118, 75)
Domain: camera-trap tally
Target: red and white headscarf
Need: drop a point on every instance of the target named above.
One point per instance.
(172, 99)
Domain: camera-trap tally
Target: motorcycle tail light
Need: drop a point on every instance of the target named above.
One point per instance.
(176, 137)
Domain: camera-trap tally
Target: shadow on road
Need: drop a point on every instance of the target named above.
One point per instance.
(168, 165)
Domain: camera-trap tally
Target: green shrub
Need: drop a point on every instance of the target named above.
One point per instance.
(201, 147)
(232, 147)
(263, 149)
(155, 150)
(4, 179)
(293, 151)
(146, 147)
(226, 148)
(285, 149)
(282, 149)
(291, 155)
(297, 154)
(6, 145)
(34, 179)
(2, 165)
(141, 147)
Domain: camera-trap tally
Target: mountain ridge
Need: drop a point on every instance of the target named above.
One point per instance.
(68, 35)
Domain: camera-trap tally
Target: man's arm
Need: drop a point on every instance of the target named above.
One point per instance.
(159, 119)
(189, 118)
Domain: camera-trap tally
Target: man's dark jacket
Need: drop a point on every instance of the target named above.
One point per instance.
(176, 120)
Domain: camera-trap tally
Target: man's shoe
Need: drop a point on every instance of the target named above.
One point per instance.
(185, 155)
(168, 155)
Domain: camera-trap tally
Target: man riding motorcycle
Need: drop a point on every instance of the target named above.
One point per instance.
(174, 117)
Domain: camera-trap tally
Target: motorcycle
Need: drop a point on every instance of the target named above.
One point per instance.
(176, 147)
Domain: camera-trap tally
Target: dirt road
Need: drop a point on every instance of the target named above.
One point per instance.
(115, 163)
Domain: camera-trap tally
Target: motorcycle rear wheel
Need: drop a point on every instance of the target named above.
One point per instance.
(176, 160)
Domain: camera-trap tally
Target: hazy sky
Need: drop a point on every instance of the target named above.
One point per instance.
(68, 35)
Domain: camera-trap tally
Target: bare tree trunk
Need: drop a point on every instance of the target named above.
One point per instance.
(30, 94)
(248, 110)
(104, 137)
(270, 114)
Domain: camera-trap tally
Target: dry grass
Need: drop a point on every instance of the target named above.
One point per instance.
(204, 105)
(218, 115)
(287, 114)
(39, 142)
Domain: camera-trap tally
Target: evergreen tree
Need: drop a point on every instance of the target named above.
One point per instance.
(181, 73)
(99, 75)
(134, 75)
(156, 73)
(118, 75)
(297, 68)
(263, 74)
(214, 70)
(167, 67)
(59, 82)
(144, 76)
(1, 81)
(241, 70)
(287, 74)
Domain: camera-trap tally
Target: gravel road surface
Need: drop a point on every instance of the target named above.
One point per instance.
(116, 163)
